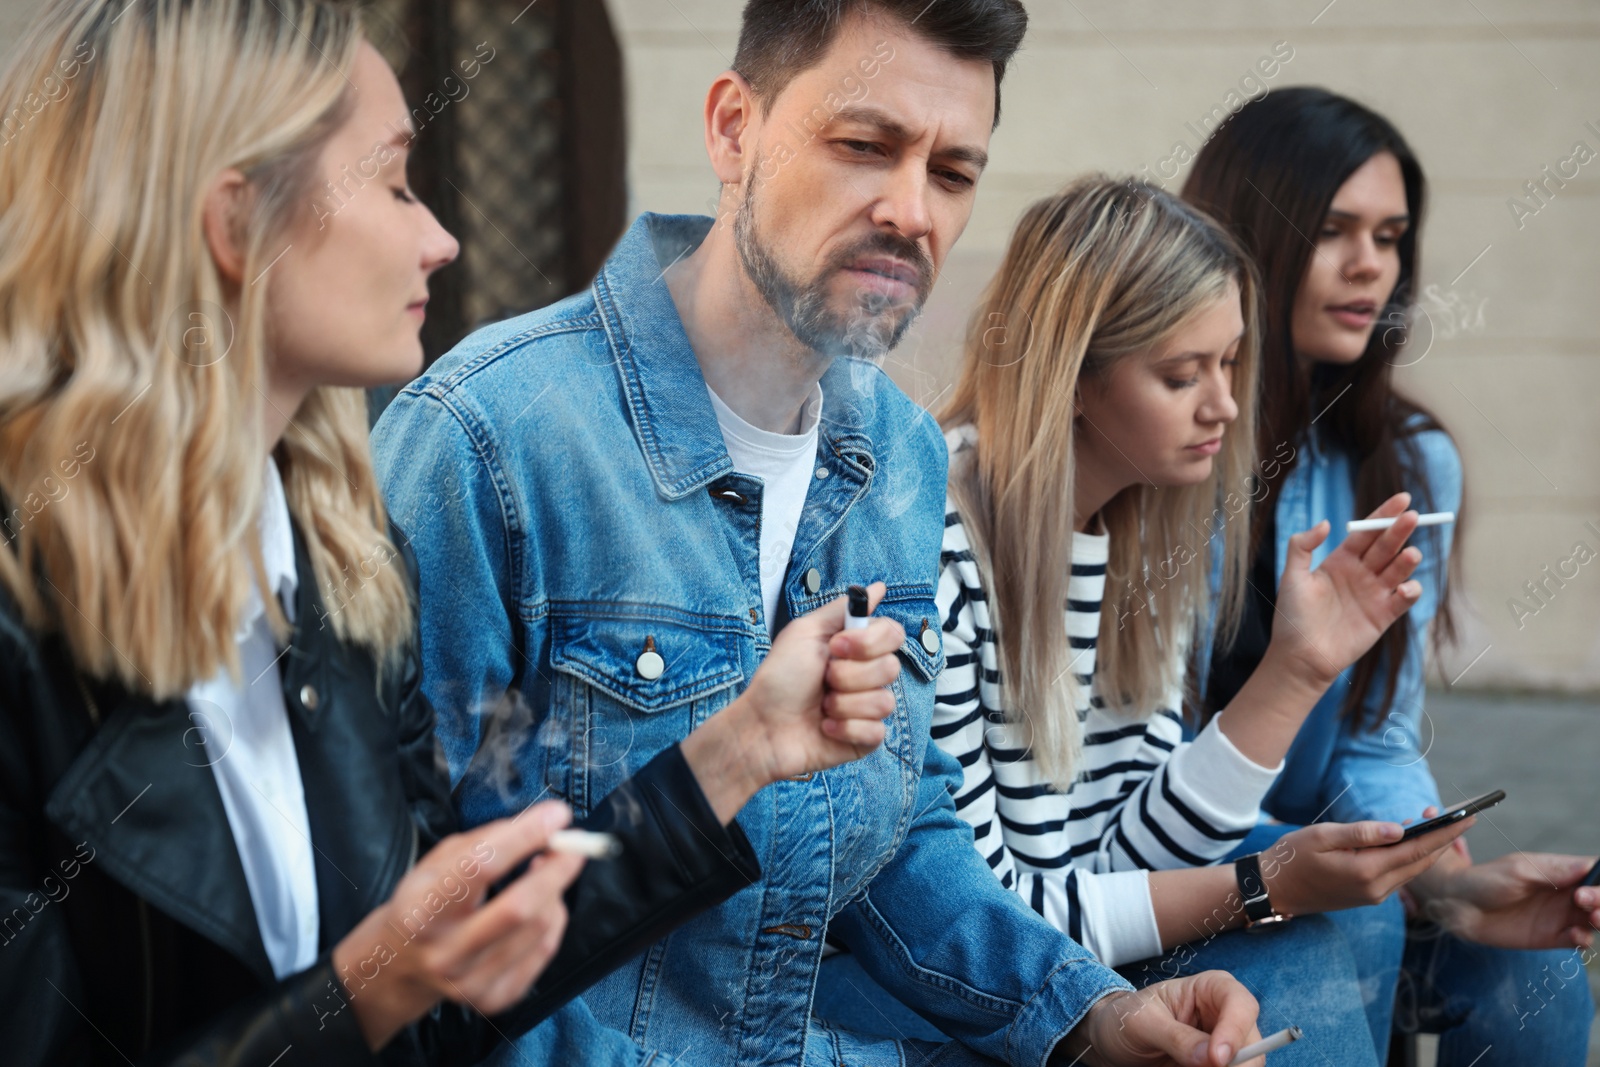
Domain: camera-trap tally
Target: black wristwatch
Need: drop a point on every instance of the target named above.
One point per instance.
(1258, 909)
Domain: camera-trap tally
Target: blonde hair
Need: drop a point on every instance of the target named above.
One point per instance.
(133, 468)
(1102, 270)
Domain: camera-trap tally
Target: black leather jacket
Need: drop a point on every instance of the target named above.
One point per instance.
(126, 929)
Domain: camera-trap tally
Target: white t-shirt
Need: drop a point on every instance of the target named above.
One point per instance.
(786, 464)
(247, 742)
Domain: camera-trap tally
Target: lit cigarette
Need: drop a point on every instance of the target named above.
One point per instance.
(1433, 518)
(584, 843)
(1268, 1044)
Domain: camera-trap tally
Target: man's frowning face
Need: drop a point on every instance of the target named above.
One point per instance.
(862, 175)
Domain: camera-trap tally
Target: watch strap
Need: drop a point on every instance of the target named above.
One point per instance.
(1253, 890)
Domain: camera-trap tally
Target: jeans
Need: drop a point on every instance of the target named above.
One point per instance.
(1489, 1006)
(1302, 975)
(1377, 940)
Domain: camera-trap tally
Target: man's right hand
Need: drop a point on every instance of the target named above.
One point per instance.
(818, 700)
(1333, 866)
(1198, 1021)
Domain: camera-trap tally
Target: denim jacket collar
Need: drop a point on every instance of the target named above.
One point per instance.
(664, 388)
(665, 392)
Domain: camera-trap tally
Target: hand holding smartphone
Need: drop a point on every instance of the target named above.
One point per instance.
(1455, 814)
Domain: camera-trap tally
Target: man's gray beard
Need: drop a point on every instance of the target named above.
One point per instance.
(866, 332)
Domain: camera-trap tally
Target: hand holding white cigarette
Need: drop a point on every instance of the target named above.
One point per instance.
(1198, 1021)
(1327, 618)
(470, 948)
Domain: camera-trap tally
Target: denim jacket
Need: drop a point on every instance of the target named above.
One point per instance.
(1382, 771)
(591, 593)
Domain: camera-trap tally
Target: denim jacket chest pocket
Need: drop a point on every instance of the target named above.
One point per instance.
(623, 689)
(872, 798)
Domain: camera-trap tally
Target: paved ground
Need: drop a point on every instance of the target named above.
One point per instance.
(1543, 752)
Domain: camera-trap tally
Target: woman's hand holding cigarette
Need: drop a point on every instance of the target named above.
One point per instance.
(438, 937)
(1324, 620)
(1327, 618)
(818, 701)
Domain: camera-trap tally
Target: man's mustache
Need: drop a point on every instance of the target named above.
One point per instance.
(896, 246)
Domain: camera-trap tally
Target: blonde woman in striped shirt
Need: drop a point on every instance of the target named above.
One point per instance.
(1101, 430)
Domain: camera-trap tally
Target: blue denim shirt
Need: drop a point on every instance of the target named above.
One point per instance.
(1382, 772)
(564, 483)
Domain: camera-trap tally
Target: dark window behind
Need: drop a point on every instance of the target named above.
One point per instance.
(519, 151)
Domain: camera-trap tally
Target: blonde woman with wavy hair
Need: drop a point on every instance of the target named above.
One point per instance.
(217, 767)
(117, 296)
(1101, 431)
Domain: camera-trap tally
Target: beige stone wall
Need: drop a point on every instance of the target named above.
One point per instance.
(1488, 93)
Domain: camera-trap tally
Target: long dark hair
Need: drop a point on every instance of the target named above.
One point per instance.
(1270, 174)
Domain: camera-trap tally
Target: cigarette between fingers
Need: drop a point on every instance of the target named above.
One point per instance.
(584, 843)
(1433, 518)
(1266, 1045)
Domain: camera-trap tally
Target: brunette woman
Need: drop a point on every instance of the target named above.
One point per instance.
(1329, 199)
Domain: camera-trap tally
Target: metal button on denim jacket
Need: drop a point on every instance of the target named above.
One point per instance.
(586, 547)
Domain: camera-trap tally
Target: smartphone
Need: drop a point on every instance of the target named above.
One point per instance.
(1593, 877)
(1455, 814)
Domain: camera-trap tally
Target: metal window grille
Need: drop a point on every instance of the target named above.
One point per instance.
(519, 149)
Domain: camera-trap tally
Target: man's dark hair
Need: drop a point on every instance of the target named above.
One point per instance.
(779, 39)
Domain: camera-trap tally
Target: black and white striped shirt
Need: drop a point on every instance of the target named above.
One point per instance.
(1144, 799)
